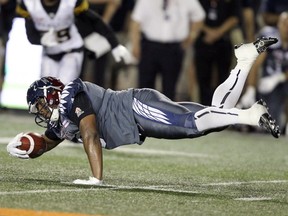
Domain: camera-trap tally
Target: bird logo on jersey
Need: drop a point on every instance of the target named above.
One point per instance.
(78, 111)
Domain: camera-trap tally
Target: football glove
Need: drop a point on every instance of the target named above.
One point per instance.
(49, 38)
(14, 151)
(97, 44)
(121, 53)
(90, 181)
(248, 98)
(269, 83)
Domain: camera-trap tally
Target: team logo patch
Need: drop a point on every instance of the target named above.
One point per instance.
(78, 111)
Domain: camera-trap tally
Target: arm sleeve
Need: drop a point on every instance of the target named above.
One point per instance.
(33, 35)
(197, 13)
(81, 108)
(88, 22)
(51, 135)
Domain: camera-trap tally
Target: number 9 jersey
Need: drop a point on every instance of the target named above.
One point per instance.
(58, 18)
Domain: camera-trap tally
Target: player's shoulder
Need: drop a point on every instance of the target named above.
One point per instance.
(69, 92)
(81, 6)
(74, 84)
(21, 8)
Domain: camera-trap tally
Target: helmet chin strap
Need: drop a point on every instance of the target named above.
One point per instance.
(54, 114)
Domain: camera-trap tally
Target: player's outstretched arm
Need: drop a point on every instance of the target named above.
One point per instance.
(93, 149)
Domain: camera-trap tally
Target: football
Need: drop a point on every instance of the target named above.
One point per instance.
(33, 143)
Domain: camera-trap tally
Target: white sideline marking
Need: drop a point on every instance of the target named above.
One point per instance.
(248, 182)
(5, 140)
(160, 152)
(104, 187)
(253, 198)
(151, 188)
(43, 191)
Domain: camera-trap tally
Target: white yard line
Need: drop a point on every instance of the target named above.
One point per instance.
(131, 150)
(160, 152)
(43, 191)
(104, 187)
(244, 182)
(5, 140)
(253, 199)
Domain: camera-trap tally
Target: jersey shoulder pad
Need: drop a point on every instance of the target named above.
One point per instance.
(81, 6)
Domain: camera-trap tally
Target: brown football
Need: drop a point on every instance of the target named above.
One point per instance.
(33, 143)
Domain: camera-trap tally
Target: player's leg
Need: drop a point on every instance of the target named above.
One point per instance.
(49, 67)
(70, 66)
(157, 116)
(227, 94)
(215, 117)
(148, 65)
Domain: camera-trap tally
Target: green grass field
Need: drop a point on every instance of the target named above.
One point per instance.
(226, 173)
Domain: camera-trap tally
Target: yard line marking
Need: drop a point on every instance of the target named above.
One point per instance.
(96, 188)
(5, 140)
(253, 199)
(160, 152)
(248, 182)
(45, 191)
(151, 188)
(132, 150)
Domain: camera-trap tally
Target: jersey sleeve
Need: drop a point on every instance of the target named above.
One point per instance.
(51, 135)
(81, 108)
(89, 22)
(197, 13)
(33, 35)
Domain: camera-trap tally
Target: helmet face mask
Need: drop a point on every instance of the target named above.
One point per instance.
(43, 112)
(43, 98)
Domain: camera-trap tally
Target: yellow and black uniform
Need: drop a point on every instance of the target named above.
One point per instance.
(70, 21)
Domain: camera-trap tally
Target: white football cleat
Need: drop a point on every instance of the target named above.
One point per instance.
(267, 122)
(252, 50)
(259, 114)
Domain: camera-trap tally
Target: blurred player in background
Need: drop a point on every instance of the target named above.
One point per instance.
(85, 112)
(52, 24)
(7, 14)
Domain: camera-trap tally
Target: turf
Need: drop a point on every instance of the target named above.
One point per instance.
(226, 173)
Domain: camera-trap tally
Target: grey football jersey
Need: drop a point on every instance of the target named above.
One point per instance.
(114, 113)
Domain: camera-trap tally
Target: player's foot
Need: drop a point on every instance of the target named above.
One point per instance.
(267, 122)
(250, 51)
(263, 43)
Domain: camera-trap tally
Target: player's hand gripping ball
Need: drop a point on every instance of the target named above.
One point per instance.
(33, 143)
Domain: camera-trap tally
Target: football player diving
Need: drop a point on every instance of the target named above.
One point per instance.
(102, 118)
